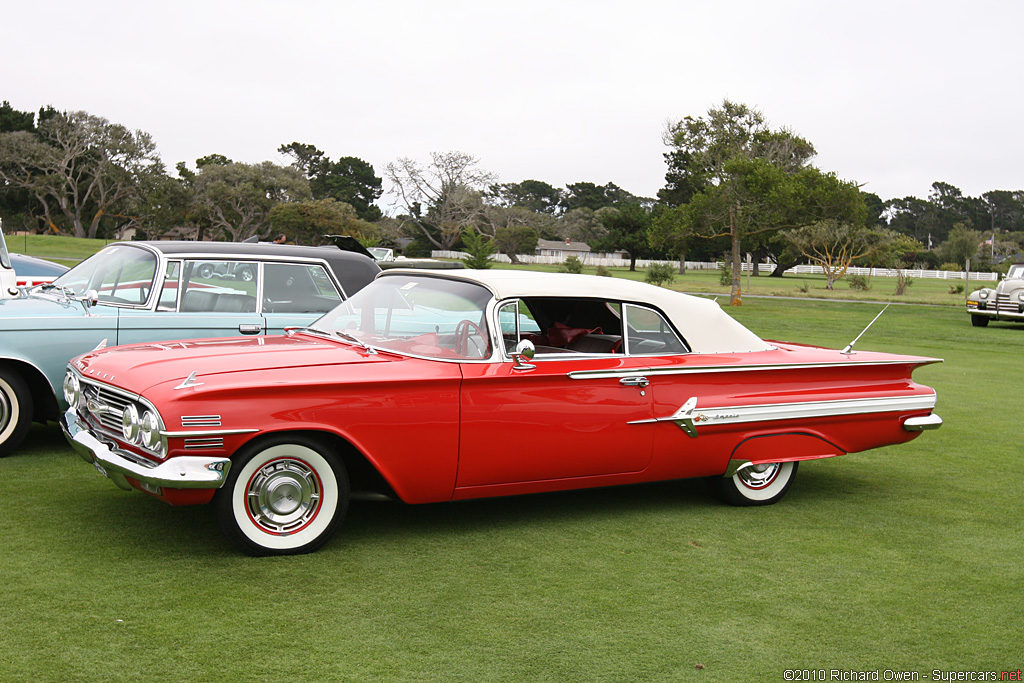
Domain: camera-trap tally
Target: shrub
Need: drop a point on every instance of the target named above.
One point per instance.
(858, 282)
(660, 274)
(805, 287)
(951, 267)
(603, 271)
(956, 289)
(902, 282)
(725, 272)
(571, 265)
(480, 250)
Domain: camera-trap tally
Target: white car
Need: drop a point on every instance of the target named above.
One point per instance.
(8, 280)
(1005, 302)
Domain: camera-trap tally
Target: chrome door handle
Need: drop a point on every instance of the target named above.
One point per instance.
(250, 329)
(634, 381)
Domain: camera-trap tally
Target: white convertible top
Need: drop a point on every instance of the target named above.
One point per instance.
(706, 327)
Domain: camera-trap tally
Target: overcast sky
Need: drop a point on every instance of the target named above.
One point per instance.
(894, 95)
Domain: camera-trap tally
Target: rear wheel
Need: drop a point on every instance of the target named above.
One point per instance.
(15, 410)
(979, 320)
(286, 496)
(761, 484)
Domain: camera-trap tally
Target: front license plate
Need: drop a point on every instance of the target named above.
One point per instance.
(99, 468)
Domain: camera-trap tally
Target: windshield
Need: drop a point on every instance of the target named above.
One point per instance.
(1016, 272)
(418, 315)
(120, 274)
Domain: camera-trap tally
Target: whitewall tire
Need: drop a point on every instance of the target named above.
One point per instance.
(761, 484)
(15, 410)
(285, 496)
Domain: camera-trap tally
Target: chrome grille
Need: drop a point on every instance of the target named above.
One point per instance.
(1005, 305)
(105, 405)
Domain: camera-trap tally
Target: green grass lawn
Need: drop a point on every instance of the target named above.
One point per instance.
(58, 248)
(903, 558)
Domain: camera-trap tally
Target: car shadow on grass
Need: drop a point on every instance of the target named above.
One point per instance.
(133, 521)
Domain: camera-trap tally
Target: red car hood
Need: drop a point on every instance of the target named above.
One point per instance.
(136, 367)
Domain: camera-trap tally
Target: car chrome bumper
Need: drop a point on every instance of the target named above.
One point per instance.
(182, 472)
(919, 424)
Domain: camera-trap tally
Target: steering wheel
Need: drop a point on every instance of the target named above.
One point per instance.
(467, 346)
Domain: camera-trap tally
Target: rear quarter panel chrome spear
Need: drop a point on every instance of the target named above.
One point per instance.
(688, 417)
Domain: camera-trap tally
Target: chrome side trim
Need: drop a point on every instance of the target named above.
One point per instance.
(617, 373)
(202, 444)
(200, 420)
(688, 417)
(206, 432)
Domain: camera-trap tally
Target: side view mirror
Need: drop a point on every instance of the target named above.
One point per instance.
(88, 300)
(525, 351)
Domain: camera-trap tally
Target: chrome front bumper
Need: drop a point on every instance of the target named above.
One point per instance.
(182, 472)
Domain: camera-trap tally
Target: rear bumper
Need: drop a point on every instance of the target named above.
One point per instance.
(182, 472)
(920, 424)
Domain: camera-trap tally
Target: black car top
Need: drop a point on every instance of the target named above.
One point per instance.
(353, 270)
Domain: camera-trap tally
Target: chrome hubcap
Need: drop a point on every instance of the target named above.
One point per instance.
(759, 476)
(283, 496)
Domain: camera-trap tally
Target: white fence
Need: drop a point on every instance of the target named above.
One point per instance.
(763, 268)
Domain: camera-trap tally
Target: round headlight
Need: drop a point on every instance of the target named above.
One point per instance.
(149, 429)
(72, 389)
(1020, 296)
(130, 423)
(983, 295)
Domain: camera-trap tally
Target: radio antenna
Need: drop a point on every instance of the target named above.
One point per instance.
(849, 347)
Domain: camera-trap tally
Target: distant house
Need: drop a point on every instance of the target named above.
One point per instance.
(565, 248)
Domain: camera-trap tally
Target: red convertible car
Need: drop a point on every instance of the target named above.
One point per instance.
(434, 386)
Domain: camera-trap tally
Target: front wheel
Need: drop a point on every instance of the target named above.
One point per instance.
(979, 320)
(15, 410)
(286, 496)
(761, 484)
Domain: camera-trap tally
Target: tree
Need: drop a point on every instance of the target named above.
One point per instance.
(15, 202)
(594, 197)
(832, 245)
(307, 222)
(754, 181)
(582, 225)
(962, 244)
(627, 226)
(450, 189)
(12, 120)
(79, 166)
(480, 249)
(1005, 210)
(349, 179)
(534, 195)
(237, 198)
(513, 240)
